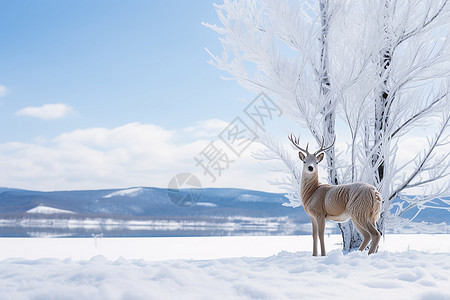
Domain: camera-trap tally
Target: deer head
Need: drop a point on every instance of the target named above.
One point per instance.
(310, 160)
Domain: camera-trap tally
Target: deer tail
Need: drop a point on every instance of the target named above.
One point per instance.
(376, 206)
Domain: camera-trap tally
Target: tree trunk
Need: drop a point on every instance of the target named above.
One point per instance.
(351, 238)
(328, 110)
(381, 223)
(329, 133)
(382, 103)
(382, 109)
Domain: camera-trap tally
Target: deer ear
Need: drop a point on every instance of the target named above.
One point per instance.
(302, 156)
(319, 157)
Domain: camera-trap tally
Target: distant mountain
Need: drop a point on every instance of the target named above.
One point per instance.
(146, 211)
(149, 202)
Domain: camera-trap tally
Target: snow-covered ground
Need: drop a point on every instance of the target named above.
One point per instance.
(406, 267)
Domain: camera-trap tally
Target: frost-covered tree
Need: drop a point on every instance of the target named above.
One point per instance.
(380, 69)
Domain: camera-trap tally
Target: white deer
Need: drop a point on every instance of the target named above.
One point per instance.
(359, 201)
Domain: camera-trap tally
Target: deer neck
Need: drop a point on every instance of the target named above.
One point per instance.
(309, 184)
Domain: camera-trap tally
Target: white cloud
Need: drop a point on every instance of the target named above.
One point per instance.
(134, 155)
(46, 111)
(126, 156)
(3, 90)
(207, 129)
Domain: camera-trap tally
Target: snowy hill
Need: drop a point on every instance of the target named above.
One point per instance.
(41, 209)
(127, 192)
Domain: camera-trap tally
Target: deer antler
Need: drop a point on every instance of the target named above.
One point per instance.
(295, 141)
(322, 149)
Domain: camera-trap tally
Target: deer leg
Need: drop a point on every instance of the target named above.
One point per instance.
(365, 234)
(314, 235)
(376, 236)
(321, 231)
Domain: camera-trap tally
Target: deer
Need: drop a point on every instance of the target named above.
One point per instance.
(360, 202)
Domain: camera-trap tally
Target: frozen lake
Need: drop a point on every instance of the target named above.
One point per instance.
(197, 248)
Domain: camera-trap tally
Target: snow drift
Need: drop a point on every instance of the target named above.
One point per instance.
(386, 275)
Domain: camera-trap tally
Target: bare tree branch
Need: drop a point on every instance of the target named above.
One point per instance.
(427, 21)
(418, 115)
(424, 160)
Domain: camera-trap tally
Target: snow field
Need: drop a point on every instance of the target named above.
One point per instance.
(200, 248)
(204, 268)
(400, 275)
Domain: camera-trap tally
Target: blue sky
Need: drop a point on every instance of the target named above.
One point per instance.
(103, 94)
(115, 94)
(112, 62)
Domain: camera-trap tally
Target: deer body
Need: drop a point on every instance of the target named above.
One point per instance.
(359, 201)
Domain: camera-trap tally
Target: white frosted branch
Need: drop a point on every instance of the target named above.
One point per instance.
(420, 164)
